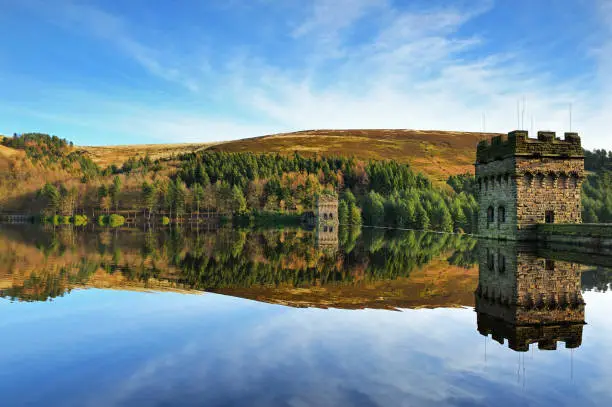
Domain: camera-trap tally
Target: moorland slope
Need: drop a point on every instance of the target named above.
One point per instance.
(437, 154)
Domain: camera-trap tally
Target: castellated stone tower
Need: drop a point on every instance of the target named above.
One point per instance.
(326, 210)
(524, 298)
(522, 182)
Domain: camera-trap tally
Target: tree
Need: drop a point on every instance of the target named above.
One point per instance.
(149, 197)
(460, 220)
(223, 193)
(210, 200)
(374, 209)
(169, 197)
(354, 215)
(105, 204)
(422, 219)
(343, 212)
(52, 196)
(102, 191)
(238, 202)
(349, 197)
(197, 195)
(114, 191)
(180, 197)
(254, 194)
(67, 201)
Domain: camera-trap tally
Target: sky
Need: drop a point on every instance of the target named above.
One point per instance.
(111, 72)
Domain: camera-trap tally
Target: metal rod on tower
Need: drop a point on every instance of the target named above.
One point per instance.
(570, 116)
(518, 116)
(523, 115)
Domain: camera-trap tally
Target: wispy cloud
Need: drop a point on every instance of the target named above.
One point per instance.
(359, 64)
(113, 29)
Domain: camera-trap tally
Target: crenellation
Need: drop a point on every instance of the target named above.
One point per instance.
(517, 143)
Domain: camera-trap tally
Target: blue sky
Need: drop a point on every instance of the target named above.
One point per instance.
(109, 72)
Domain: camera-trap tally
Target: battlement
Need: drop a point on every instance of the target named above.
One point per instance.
(518, 143)
(519, 337)
(327, 198)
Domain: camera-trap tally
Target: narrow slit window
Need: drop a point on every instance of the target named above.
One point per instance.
(501, 214)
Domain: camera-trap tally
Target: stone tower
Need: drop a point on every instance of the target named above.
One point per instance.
(522, 182)
(524, 298)
(327, 209)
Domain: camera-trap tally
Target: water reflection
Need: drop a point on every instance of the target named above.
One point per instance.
(524, 298)
(321, 268)
(119, 347)
(326, 237)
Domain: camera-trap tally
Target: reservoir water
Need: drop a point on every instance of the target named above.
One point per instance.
(100, 317)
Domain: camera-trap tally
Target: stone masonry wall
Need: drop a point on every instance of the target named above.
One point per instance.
(327, 209)
(520, 337)
(548, 184)
(497, 188)
(517, 143)
(526, 289)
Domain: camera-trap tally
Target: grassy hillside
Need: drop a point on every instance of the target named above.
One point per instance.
(437, 154)
(24, 169)
(117, 155)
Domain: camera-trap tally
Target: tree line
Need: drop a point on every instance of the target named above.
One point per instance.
(382, 193)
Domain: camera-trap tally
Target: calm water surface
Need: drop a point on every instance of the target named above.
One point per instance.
(298, 318)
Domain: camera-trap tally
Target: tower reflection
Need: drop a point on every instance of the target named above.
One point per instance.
(524, 298)
(326, 237)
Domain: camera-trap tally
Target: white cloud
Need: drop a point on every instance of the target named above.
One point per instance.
(408, 68)
(412, 74)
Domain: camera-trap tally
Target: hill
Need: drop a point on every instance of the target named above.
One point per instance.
(437, 154)
(117, 155)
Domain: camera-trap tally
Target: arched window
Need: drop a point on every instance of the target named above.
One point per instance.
(528, 180)
(490, 260)
(573, 180)
(331, 215)
(325, 216)
(490, 214)
(501, 214)
(562, 183)
(501, 262)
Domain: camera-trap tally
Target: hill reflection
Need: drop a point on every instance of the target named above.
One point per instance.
(369, 268)
(294, 267)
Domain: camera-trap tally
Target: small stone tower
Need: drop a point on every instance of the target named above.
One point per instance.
(522, 182)
(327, 209)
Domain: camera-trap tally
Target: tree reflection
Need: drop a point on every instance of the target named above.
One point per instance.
(225, 260)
